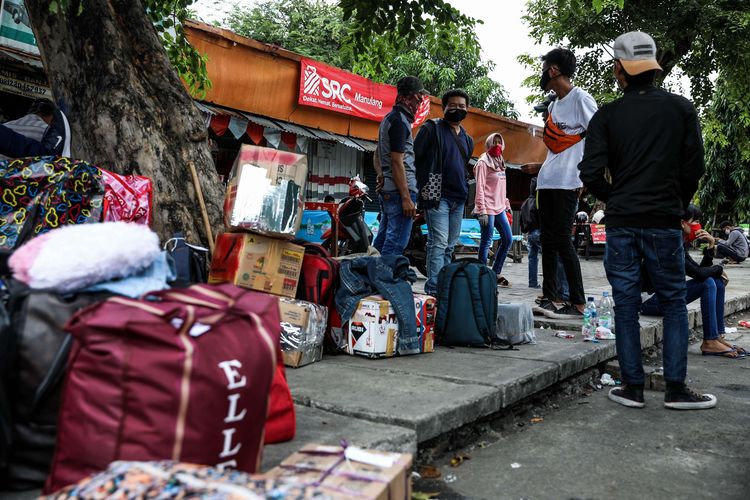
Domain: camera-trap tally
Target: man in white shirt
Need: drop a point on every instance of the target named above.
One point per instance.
(558, 184)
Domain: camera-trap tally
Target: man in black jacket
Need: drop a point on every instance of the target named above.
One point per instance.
(442, 151)
(650, 141)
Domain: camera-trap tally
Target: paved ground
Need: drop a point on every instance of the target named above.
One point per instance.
(593, 448)
(398, 403)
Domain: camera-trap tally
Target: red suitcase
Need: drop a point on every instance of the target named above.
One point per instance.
(182, 375)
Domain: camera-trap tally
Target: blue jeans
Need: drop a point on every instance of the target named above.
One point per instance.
(394, 225)
(535, 247)
(443, 230)
(711, 293)
(499, 222)
(661, 251)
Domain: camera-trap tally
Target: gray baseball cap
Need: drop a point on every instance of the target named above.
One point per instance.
(637, 52)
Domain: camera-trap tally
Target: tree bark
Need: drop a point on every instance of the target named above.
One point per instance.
(128, 109)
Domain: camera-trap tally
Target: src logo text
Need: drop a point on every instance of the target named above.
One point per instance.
(331, 88)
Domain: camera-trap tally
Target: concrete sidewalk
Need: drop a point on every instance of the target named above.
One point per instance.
(398, 403)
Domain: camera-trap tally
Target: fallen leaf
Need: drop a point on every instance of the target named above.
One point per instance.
(429, 472)
(537, 420)
(423, 495)
(459, 459)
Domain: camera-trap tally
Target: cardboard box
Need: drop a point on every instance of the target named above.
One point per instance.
(303, 328)
(373, 330)
(265, 193)
(354, 472)
(426, 309)
(257, 262)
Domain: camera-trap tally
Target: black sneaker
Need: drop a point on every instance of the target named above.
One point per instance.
(568, 311)
(544, 307)
(628, 395)
(682, 398)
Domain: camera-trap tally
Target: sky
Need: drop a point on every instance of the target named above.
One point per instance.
(503, 37)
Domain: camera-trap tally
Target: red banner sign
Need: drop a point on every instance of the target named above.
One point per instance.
(598, 234)
(326, 87)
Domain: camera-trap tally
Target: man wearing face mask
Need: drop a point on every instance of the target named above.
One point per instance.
(735, 248)
(650, 142)
(558, 184)
(394, 163)
(443, 150)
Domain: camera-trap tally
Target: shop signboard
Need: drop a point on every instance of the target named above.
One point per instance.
(15, 27)
(24, 83)
(330, 88)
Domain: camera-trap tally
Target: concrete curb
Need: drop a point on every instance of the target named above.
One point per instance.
(395, 404)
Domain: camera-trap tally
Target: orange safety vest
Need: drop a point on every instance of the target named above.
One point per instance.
(557, 140)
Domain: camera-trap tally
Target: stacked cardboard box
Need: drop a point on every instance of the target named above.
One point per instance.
(262, 212)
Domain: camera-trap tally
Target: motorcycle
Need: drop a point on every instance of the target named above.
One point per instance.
(353, 234)
(416, 249)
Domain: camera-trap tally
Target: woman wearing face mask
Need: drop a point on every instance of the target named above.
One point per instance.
(707, 283)
(491, 204)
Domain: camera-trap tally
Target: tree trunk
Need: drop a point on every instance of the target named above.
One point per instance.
(128, 109)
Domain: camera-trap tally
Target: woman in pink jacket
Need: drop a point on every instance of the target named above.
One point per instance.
(491, 203)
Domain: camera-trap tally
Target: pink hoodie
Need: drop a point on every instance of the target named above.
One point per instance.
(489, 173)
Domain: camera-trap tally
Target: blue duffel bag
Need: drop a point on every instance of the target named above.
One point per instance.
(467, 305)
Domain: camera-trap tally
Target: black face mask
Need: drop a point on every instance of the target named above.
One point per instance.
(544, 80)
(455, 115)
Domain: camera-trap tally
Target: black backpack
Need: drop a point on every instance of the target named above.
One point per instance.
(33, 358)
(467, 305)
(529, 215)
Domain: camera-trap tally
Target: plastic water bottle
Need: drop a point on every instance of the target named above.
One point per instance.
(589, 319)
(605, 312)
(310, 227)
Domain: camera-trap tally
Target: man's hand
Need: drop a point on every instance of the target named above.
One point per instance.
(483, 219)
(379, 183)
(531, 168)
(725, 278)
(410, 210)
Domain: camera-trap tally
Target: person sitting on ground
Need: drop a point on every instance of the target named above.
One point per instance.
(707, 282)
(33, 124)
(491, 205)
(735, 248)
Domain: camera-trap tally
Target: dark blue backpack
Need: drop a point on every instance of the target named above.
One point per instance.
(467, 305)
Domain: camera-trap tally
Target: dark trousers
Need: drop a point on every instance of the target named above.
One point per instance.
(723, 250)
(556, 214)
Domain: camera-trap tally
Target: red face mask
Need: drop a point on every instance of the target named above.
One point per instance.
(694, 228)
(496, 150)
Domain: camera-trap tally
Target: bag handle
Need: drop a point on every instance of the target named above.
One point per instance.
(463, 149)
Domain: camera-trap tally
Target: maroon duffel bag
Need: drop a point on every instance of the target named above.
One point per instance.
(182, 375)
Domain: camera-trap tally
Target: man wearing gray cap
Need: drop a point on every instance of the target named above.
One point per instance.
(650, 142)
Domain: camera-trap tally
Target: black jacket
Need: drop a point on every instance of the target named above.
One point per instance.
(428, 158)
(529, 214)
(650, 140)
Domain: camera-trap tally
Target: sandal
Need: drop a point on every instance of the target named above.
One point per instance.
(740, 350)
(502, 282)
(729, 353)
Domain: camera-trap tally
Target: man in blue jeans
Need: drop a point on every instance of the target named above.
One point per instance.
(443, 150)
(394, 163)
(650, 141)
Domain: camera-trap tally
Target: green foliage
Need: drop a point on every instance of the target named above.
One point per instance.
(726, 128)
(699, 36)
(167, 17)
(320, 30)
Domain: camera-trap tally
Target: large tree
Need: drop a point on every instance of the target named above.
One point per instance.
(129, 110)
(317, 29)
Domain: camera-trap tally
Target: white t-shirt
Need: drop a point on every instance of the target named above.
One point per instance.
(571, 114)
